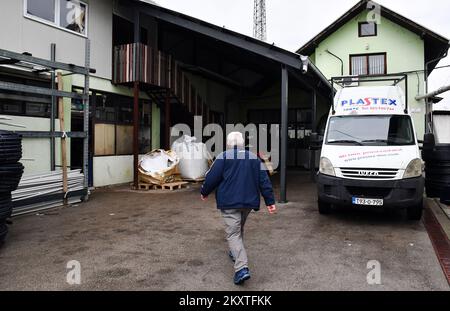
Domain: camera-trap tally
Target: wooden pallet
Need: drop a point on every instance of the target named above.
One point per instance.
(170, 186)
(144, 179)
(195, 181)
(144, 186)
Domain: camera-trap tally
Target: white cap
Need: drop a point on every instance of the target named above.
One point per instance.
(235, 139)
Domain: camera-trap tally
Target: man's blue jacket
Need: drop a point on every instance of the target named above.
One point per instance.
(238, 176)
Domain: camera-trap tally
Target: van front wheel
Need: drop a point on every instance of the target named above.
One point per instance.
(324, 208)
(415, 212)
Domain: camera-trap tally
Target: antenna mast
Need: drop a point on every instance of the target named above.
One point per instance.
(259, 20)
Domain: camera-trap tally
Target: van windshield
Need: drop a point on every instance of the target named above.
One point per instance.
(379, 130)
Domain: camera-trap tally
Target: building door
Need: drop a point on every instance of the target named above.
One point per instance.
(299, 130)
(77, 144)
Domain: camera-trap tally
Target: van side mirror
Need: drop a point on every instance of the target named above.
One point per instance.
(315, 142)
(429, 142)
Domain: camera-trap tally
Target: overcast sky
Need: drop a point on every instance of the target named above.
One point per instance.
(291, 23)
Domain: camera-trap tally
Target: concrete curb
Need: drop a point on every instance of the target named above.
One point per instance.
(437, 225)
(445, 208)
(441, 212)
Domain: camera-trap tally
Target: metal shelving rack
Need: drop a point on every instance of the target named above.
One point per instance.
(52, 66)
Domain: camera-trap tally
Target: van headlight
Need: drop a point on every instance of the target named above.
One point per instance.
(326, 167)
(414, 169)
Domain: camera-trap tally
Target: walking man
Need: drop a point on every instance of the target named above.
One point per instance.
(239, 178)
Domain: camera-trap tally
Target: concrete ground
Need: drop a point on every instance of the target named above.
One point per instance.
(173, 241)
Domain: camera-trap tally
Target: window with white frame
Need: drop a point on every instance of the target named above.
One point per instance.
(70, 15)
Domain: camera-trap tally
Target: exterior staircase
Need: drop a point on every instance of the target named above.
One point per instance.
(159, 75)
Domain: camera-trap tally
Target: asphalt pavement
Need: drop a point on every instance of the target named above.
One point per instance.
(126, 240)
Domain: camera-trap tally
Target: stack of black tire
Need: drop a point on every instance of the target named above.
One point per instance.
(11, 172)
(437, 172)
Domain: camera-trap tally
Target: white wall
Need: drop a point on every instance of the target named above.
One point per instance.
(443, 105)
(113, 170)
(21, 34)
(442, 128)
(36, 151)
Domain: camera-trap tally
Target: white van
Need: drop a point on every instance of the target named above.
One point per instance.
(370, 154)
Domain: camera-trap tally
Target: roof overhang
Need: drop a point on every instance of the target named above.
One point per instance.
(436, 45)
(292, 60)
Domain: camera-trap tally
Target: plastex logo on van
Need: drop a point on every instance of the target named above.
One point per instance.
(369, 101)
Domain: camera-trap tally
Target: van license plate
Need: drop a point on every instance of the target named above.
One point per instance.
(369, 202)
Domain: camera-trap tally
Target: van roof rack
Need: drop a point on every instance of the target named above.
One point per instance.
(354, 81)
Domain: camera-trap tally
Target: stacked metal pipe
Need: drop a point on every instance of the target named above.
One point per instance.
(11, 172)
(43, 191)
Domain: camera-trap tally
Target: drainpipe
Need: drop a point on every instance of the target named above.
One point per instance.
(340, 59)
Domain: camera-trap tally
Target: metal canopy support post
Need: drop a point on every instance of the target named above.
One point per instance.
(167, 121)
(137, 39)
(284, 131)
(136, 134)
(86, 117)
(312, 162)
(52, 112)
(314, 110)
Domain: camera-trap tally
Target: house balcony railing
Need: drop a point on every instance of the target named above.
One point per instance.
(137, 62)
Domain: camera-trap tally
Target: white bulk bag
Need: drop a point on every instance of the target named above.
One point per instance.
(158, 161)
(159, 167)
(194, 158)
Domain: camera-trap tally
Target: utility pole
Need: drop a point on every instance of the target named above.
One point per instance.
(259, 20)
